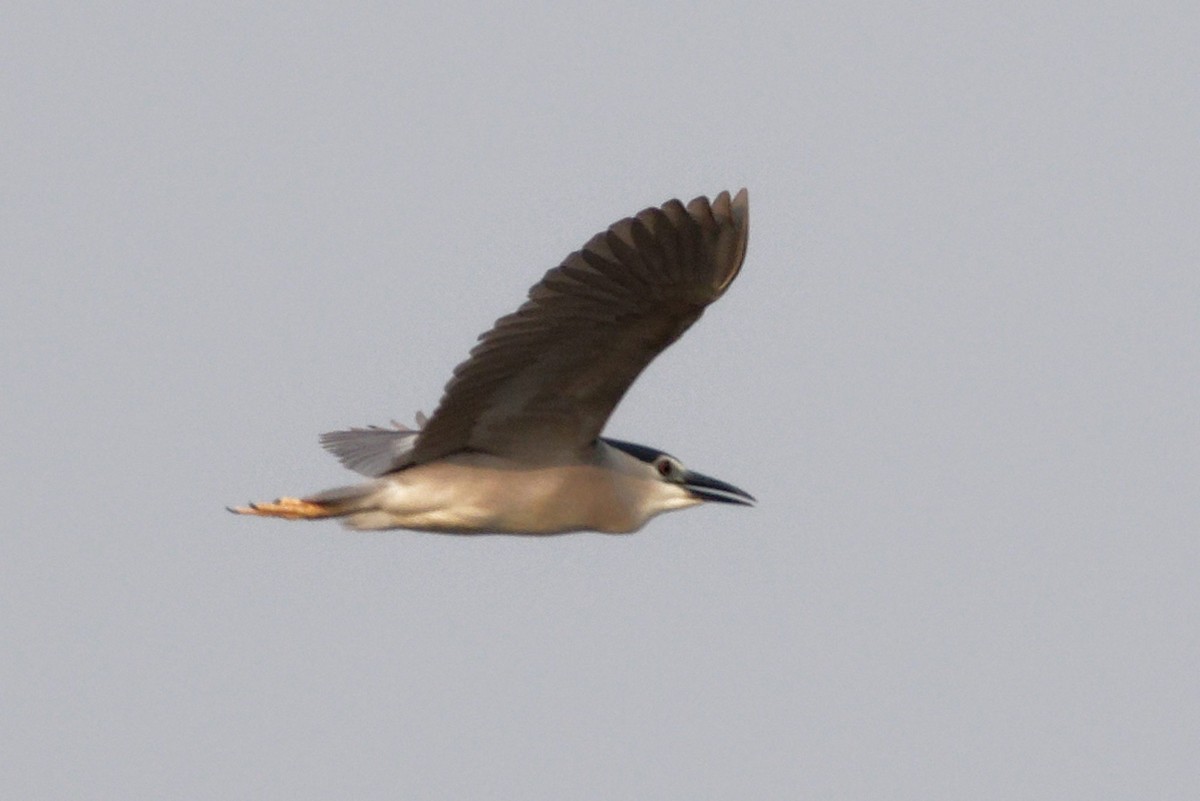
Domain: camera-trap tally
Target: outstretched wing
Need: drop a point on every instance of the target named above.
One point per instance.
(375, 450)
(546, 378)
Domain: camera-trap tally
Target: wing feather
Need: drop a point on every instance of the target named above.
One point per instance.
(547, 376)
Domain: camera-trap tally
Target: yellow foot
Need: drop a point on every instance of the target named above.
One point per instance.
(287, 508)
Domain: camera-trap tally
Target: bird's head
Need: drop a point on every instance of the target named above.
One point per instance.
(673, 485)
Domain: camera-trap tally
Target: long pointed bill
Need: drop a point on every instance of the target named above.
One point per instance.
(711, 489)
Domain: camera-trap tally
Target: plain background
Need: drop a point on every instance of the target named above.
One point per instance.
(959, 371)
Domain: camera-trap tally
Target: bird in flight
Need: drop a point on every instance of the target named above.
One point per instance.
(514, 447)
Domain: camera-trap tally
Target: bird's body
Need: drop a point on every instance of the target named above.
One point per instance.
(515, 446)
(478, 492)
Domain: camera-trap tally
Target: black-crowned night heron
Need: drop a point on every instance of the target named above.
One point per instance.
(515, 446)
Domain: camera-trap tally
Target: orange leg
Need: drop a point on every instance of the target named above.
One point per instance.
(287, 508)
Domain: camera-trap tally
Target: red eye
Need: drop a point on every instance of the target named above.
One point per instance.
(664, 468)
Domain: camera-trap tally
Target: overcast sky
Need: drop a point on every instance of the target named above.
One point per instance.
(959, 371)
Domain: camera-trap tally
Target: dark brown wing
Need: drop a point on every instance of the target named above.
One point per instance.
(546, 378)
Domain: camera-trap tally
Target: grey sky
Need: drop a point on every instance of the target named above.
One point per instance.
(959, 371)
